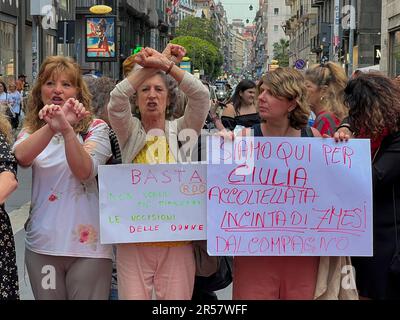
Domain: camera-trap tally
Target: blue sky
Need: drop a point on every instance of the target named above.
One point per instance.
(239, 9)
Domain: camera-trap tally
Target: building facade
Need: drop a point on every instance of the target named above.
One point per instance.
(275, 13)
(390, 43)
(302, 28)
(28, 34)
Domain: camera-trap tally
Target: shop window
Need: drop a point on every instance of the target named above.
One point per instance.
(7, 50)
(395, 55)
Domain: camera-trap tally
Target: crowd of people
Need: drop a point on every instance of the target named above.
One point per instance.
(74, 123)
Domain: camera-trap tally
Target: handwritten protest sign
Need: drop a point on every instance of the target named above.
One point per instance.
(289, 196)
(145, 203)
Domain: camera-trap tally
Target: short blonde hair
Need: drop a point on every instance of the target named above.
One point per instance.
(289, 83)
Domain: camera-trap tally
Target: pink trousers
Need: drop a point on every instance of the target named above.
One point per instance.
(170, 271)
(286, 278)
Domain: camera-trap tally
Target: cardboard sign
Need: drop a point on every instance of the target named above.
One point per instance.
(146, 203)
(289, 196)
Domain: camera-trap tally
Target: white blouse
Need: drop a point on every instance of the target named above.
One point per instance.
(64, 215)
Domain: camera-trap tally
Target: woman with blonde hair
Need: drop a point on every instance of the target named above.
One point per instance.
(64, 144)
(325, 84)
(8, 183)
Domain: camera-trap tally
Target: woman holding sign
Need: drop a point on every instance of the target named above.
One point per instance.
(64, 144)
(374, 112)
(168, 267)
(284, 113)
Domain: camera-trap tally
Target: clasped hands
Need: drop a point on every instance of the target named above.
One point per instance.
(61, 118)
(151, 58)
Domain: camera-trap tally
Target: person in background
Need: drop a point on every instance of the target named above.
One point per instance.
(9, 289)
(21, 83)
(15, 99)
(64, 144)
(166, 267)
(325, 84)
(23, 89)
(5, 102)
(213, 120)
(242, 111)
(3, 93)
(374, 113)
(100, 89)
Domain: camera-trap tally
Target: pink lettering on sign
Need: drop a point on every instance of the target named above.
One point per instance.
(265, 196)
(274, 220)
(339, 220)
(276, 245)
(337, 155)
(269, 176)
(248, 148)
(186, 227)
(140, 228)
(149, 176)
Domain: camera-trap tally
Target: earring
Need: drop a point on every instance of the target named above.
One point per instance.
(322, 98)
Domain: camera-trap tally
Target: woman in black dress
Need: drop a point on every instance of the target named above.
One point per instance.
(8, 183)
(242, 111)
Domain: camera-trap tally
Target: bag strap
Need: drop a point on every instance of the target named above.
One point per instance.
(395, 219)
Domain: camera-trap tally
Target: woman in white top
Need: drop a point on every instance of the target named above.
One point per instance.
(64, 145)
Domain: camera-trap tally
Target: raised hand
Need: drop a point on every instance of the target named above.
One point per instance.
(150, 58)
(74, 111)
(343, 134)
(55, 118)
(174, 52)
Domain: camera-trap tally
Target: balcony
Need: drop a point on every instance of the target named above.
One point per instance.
(287, 27)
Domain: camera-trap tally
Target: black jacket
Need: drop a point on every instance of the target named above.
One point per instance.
(374, 280)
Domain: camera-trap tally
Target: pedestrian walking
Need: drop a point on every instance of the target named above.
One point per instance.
(8, 183)
(64, 144)
(166, 267)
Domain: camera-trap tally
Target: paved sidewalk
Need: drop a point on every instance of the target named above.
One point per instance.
(18, 218)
